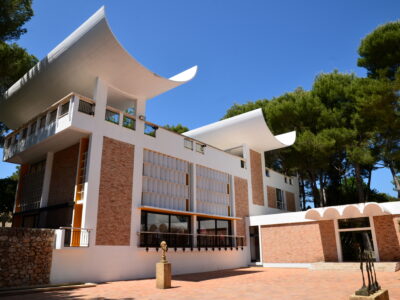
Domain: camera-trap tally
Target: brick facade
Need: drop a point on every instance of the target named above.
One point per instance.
(256, 177)
(388, 237)
(290, 202)
(115, 194)
(241, 204)
(271, 195)
(63, 175)
(299, 242)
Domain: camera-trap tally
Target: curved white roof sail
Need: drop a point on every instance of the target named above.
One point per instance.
(90, 51)
(249, 128)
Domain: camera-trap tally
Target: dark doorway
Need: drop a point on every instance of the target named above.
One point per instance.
(352, 241)
(254, 244)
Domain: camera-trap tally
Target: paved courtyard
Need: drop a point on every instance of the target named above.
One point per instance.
(247, 283)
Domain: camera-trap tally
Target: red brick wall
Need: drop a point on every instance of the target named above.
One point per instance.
(388, 237)
(241, 204)
(271, 195)
(115, 194)
(256, 178)
(299, 242)
(63, 175)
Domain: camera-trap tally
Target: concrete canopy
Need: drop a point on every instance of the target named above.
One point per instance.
(91, 51)
(249, 128)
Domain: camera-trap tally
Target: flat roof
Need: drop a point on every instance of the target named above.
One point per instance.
(91, 51)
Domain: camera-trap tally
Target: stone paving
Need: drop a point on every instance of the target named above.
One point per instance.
(246, 283)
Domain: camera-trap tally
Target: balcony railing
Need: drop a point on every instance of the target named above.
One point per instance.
(121, 118)
(183, 240)
(76, 237)
(56, 117)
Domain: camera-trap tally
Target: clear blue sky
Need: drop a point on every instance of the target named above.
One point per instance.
(245, 50)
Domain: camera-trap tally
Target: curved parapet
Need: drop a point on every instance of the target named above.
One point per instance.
(249, 128)
(91, 51)
(369, 209)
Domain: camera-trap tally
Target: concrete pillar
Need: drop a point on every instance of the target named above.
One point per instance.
(90, 201)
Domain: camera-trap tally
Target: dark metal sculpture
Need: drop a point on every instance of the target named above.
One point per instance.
(373, 285)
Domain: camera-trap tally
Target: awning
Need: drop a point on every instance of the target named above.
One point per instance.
(249, 128)
(91, 51)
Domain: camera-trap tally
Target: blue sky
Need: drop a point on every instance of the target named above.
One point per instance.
(245, 50)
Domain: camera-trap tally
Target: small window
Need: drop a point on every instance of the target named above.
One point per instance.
(200, 148)
(33, 128)
(53, 116)
(290, 181)
(280, 204)
(24, 133)
(285, 179)
(188, 144)
(42, 122)
(242, 164)
(354, 223)
(64, 109)
(267, 172)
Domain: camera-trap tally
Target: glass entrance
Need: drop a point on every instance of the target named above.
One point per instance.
(254, 244)
(355, 234)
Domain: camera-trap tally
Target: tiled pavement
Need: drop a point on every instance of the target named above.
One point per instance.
(248, 283)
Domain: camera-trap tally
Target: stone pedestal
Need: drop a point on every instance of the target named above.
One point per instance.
(163, 275)
(379, 295)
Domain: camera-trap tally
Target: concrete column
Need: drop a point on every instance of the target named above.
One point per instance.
(46, 180)
(91, 198)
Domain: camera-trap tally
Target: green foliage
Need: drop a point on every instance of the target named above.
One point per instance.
(179, 128)
(380, 51)
(14, 14)
(8, 188)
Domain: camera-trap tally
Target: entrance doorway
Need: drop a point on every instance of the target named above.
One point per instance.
(355, 235)
(254, 244)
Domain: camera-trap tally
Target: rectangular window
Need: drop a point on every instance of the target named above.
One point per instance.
(200, 148)
(24, 133)
(285, 179)
(64, 109)
(33, 128)
(112, 116)
(214, 233)
(354, 223)
(129, 122)
(188, 144)
(242, 164)
(290, 181)
(150, 130)
(53, 116)
(279, 199)
(158, 227)
(42, 122)
(267, 172)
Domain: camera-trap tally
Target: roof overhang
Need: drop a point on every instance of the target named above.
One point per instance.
(91, 51)
(350, 211)
(248, 128)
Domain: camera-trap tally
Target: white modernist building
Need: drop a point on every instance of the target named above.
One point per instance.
(114, 185)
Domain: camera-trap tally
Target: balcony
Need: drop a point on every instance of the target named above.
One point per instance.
(51, 121)
(187, 241)
(67, 237)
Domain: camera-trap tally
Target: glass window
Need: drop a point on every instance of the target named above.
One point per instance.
(179, 224)
(279, 199)
(200, 148)
(213, 226)
(53, 116)
(158, 222)
(353, 223)
(112, 116)
(64, 109)
(42, 122)
(267, 172)
(188, 144)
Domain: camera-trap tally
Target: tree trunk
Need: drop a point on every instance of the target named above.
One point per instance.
(395, 179)
(303, 192)
(359, 183)
(315, 191)
(367, 193)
